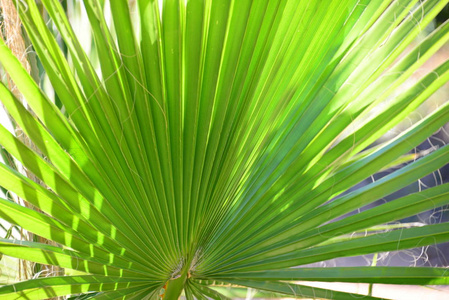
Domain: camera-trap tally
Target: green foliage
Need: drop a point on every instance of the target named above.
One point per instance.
(207, 147)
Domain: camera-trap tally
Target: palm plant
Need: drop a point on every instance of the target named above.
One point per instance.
(220, 143)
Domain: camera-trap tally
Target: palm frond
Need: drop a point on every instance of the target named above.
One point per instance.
(222, 141)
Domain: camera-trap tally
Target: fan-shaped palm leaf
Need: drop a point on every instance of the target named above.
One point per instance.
(217, 144)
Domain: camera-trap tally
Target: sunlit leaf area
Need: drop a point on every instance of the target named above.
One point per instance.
(224, 149)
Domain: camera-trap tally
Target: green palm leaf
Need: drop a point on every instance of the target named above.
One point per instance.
(222, 142)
